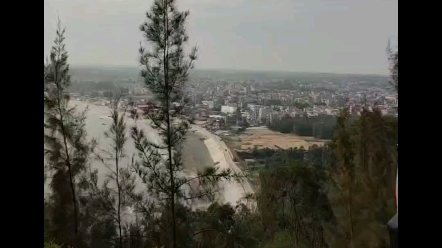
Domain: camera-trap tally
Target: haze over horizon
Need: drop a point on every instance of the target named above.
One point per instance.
(348, 36)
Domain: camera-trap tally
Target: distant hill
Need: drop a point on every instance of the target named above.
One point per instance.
(120, 72)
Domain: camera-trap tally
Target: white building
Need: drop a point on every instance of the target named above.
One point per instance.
(263, 113)
(228, 109)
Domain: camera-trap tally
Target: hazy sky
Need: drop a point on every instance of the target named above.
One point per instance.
(340, 36)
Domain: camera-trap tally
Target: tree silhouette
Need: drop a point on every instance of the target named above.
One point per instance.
(66, 148)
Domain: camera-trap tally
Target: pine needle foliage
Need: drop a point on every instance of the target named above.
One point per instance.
(362, 189)
(165, 69)
(66, 148)
(51, 244)
(115, 198)
(393, 59)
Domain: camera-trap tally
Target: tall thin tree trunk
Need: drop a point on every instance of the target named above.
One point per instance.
(168, 124)
(119, 196)
(68, 161)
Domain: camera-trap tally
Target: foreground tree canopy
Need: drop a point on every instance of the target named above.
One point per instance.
(338, 195)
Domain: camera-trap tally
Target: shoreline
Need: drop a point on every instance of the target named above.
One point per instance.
(216, 151)
(234, 191)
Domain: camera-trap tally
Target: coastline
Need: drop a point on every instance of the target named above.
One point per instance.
(233, 191)
(202, 149)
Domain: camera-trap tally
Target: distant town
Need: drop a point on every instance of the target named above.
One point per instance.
(225, 103)
(268, 111)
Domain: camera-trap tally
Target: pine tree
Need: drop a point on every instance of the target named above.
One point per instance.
(66, 149)
(393, 58)
(342, 189)
(116, 199)
(165, 72)
(51, 245)
(377, 177)
(365, 182)
(97, 211)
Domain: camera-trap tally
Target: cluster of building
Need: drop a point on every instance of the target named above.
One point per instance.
(234, 103)
(222, 104)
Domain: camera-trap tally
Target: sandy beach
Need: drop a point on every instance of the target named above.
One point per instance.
(233, 191)
(201, 149)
